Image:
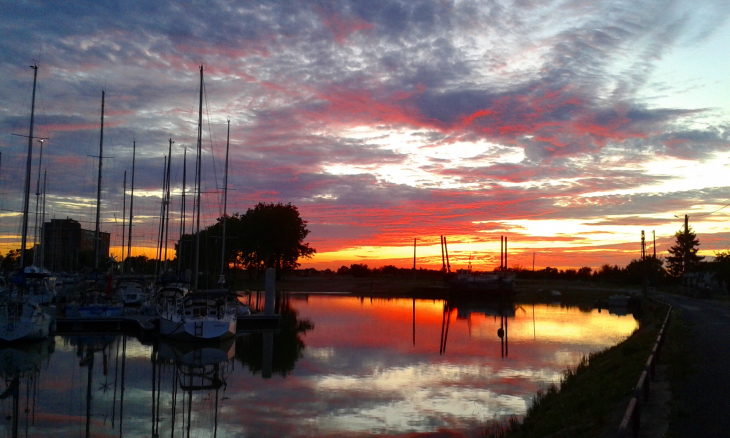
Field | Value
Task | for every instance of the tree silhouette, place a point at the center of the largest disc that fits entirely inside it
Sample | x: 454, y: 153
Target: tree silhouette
x: 266, y: 236
x: 684, y: 256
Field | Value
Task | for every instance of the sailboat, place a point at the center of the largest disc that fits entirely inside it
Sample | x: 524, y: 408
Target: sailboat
x: 99, y: 302
x: 21, y: 319
x: 133, y: 290
x: 199, y: 315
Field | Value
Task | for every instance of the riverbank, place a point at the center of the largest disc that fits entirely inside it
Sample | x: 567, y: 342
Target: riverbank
x: 592, y: 397
x: 527, y: 291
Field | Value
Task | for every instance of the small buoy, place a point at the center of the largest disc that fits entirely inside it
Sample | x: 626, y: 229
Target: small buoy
x: 500, y: 332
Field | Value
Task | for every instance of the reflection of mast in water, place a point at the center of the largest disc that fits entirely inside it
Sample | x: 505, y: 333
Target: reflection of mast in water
x: 503, y: 334
x: 445, y: 322
x: 464, y: 309
x: 194, y: 368
x: 18, y: 364
x: 86, y: 347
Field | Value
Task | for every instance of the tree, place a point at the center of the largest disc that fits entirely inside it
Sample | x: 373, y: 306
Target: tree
x: 649, y: 270
x: 721, y: 267
x: 684, y: 256
x: 11, y: 260
x: 270, y: 236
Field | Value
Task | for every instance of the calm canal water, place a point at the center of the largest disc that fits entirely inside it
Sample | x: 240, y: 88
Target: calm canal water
x: 340, y: 366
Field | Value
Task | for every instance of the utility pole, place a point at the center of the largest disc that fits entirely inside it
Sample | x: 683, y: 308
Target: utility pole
x: 686, y: 235
x: 501, y: 253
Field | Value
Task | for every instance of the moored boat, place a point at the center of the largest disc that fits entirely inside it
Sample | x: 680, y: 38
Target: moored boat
x: 200, y: 316
x: 23, y: 321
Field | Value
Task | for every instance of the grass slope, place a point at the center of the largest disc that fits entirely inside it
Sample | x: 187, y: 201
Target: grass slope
x: 593, y: 395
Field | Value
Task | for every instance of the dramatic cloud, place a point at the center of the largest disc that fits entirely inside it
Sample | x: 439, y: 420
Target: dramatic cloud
x: 383, y: 121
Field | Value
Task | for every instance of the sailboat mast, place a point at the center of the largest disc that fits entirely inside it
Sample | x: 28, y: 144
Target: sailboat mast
x: 225, y: 204
x: 124, y: 214
x: 167, y: 202
x: 43, y: 222
x: 131, y: 204
x: 161, y: 229
x: 197, y: 183
x: 182, y: 212
x: 98, y: 188
x: 37, y: 204
x: 26, y: 199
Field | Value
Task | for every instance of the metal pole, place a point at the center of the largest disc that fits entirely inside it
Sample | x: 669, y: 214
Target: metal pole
x: 225, y: 205
x: 98, y: 187
x: 501, y: 253
x: 182, y: 212
x: 200, y: 170
x: 446, y: 248
x: 414, y: 254
x: 37, y: 205
x: 26, y: 199
x: 686, y: 234
x: 167, y: 203
x: 43, y: 222
x: 124, y: 214
x: 443, y: 258
x: 131, y: 206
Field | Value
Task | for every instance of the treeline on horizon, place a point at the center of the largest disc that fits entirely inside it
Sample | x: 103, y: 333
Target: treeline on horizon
x: 653, y: 271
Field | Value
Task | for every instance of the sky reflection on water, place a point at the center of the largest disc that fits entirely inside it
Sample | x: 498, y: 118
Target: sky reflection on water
x: 363, y: 369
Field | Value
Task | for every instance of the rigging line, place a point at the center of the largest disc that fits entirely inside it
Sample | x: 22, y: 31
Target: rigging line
x: 212, y: 151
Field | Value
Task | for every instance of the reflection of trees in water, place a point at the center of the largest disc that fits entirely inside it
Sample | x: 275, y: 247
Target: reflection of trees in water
x: 288, y: 343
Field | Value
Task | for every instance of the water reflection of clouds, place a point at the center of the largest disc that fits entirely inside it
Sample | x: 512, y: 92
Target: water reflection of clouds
x: 360, y: 374
x: 371, y: 379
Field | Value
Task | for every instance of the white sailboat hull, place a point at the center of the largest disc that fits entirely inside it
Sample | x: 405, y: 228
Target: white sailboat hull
x: 25, y: 329
x: 198, y: 329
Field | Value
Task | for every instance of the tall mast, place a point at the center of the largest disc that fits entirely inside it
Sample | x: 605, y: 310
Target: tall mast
x: 225, y: 204
x: 197, y: 183
x: 26, y: 199
x: 167, y: 202
x: 182, y: 212
x: 98, y: 188
x: 131, y: 204
x: 37, y: 205
x: 43, y: 222
x: 161, y: 228
x: 124, y: 214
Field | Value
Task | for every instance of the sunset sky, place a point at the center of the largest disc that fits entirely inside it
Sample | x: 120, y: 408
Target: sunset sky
x: 568, y: 126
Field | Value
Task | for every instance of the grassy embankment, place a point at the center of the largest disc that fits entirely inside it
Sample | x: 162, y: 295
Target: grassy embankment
x: 592, y: 396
